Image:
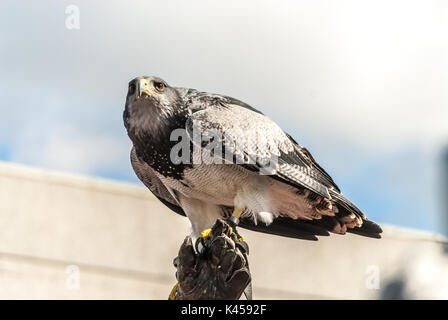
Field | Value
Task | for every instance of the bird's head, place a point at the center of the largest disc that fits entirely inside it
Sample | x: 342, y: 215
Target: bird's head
x: 150, y: 102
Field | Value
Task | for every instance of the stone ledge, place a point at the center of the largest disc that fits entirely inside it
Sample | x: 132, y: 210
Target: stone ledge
x: 123, y: 240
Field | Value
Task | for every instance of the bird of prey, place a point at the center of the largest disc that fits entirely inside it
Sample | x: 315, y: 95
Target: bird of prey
x: 259, y: 173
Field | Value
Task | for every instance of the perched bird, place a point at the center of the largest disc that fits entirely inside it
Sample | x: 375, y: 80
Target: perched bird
x: 208, y: 156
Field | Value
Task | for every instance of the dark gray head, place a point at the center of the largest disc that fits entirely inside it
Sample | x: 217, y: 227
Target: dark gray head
x: 151, y: 105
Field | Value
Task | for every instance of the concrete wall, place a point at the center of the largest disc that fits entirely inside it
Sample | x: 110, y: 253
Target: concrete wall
x: 74, y: 237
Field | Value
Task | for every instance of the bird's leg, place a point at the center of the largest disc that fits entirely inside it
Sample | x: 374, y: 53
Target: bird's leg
x: 237, y: 212
x: 234, y: 220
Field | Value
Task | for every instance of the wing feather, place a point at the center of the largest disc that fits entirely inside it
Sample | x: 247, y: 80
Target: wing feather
x: 255, y: 142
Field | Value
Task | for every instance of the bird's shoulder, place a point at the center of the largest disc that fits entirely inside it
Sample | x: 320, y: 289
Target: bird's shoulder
x: 196, y: 100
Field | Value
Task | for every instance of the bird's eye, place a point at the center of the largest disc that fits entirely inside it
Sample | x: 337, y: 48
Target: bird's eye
x: 160, y: 86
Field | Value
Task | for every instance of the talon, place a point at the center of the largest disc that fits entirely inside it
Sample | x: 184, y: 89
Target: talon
x: 200, y: 246
x: 202, y: 240
x: 238, y: 236
x: 206, y: 233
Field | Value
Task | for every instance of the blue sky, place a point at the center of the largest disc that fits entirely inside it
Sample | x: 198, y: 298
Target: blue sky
x: 361, y: 84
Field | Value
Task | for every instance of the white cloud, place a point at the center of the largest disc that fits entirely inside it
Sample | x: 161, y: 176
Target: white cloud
x: 362, y: 73
x: 75, y: 151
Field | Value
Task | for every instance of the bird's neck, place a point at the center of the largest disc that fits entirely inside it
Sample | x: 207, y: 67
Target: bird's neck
x: 154, y: 143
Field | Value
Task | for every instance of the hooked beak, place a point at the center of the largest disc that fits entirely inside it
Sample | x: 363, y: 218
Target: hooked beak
x: 143, y: 87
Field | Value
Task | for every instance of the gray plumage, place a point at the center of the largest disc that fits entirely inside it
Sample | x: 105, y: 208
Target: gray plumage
x: 259, y: 167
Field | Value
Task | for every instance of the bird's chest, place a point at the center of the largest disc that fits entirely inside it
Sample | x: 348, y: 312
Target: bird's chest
x: 159, y: 155
x: 217, y: 183
x: 157, y: 146
x: 159, y: 160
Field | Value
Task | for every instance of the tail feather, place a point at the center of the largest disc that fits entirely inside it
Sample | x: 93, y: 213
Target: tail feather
x: 368, y: 229
x: 286, y: 227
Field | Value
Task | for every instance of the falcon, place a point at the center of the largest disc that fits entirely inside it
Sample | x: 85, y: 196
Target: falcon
x: 208, y: 156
